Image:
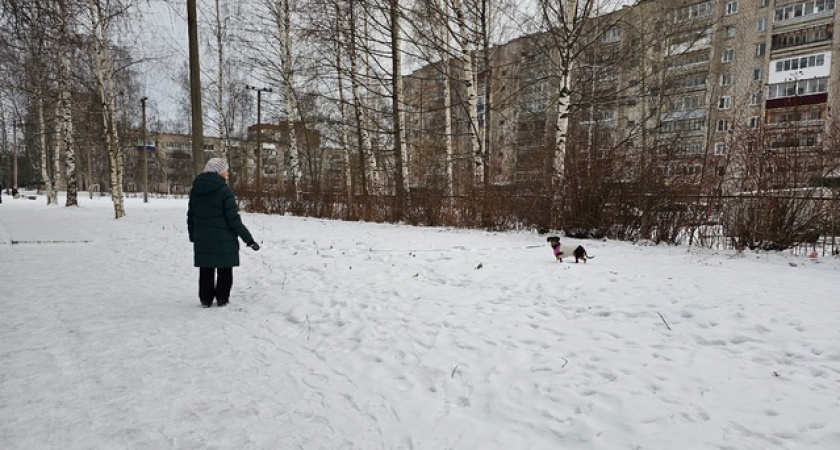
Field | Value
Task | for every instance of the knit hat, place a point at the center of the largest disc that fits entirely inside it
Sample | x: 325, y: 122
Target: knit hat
x: 216, y: 165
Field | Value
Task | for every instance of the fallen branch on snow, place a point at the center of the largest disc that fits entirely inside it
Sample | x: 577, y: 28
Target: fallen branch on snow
x: 663, y: 320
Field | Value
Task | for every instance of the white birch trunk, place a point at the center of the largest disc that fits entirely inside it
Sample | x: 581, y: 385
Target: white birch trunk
x: 571, y: 25
x: 104, y: 75
x: 562, y: 131
x: 345, y: 131
x: 292, y: 113
x: 65, y: 106
x: 116, y: 149
x: 447, y: 102
x: 52, y: 195
x: 366, y: 147
x: 378, y: 185
x: 469, y: 80
x: 42, y: 135
x: 399, y: 112
x: 447, y: 118
x: 69, y: 148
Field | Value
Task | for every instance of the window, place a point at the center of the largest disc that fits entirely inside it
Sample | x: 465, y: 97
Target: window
x: 730, y: 32
x: 687, y: 102
x: 680, y: 126
x: 613, y: 34
x: 689, y: 59
x: 798, y: 87
x: 693, y: 12
x: 605, y: 115
x: 753, y: 122
x: 726, y: 79
x: 802, y: 36
x: 800, y: 63
x: 728, y: 55
x: 687, y: 148
x: 720, y: 148
x: 795, y: 10
x: 731, y: 8
x: 761, y: 25
x: 725, y: 102
x: 722, y: 125
x: 693, y: 81
x: 760, y: 49
x: 823, y: 5
x: 758, y: 74
x: 763, y: 3
x: 755, y: 99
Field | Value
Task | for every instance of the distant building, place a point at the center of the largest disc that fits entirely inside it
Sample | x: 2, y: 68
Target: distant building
x: 319, y: 165
x: 170, y: 165
x: 718, y: 96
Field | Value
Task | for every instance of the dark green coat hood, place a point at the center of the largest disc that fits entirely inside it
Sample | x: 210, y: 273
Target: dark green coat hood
x: 207, y: 183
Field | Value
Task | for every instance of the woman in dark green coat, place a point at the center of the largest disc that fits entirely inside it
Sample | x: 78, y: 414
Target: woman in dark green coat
x: 214, y: 224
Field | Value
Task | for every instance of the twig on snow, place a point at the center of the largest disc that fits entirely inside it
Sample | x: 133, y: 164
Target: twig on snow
x: 454, y: 370
x: 565, y: 361
x: 664, y: 321
x: 308, y: 328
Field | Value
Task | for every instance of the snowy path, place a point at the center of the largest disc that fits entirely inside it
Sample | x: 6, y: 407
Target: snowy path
x: 353, y: 335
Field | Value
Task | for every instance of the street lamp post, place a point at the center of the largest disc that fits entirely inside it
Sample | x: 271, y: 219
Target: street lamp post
x: 145, y: 156
x: 259, y: 131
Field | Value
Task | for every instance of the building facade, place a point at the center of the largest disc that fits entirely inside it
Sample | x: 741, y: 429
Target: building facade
x: 170, y: 160
x: 712, y: 97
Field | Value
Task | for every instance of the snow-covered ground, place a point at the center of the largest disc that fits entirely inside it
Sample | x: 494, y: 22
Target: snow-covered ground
x: 344, y: 335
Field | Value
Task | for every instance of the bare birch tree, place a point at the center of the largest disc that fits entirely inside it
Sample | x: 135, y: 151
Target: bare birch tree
x: 284, y: 35
x: 68, y: 141
x: 447, y: 105
x: 105, y: 76
x: 64, y: 114
x: 344, y: 133
x: 435, y: 50
x: 465, y: 41
x: 397, y: 109
x: 566, y: 21
x: 42, y: 145
x: 223, y: 116
x: 367, y: 158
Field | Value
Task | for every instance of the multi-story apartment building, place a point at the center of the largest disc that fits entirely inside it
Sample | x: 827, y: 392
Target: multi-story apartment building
x: 712, y: 97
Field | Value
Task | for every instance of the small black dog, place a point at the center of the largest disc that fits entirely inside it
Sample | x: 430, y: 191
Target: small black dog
x: 555, y: 244
x: 580, y: 253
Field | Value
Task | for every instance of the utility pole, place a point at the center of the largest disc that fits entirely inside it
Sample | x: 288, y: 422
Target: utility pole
x: 145, y: 155
x: 195, y: 90
x: 259, y: 132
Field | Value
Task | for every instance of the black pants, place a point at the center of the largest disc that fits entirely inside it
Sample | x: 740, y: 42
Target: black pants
x: 209, y: 287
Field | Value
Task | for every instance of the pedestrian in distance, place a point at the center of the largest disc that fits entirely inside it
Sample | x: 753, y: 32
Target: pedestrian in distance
x: 214, y: 224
